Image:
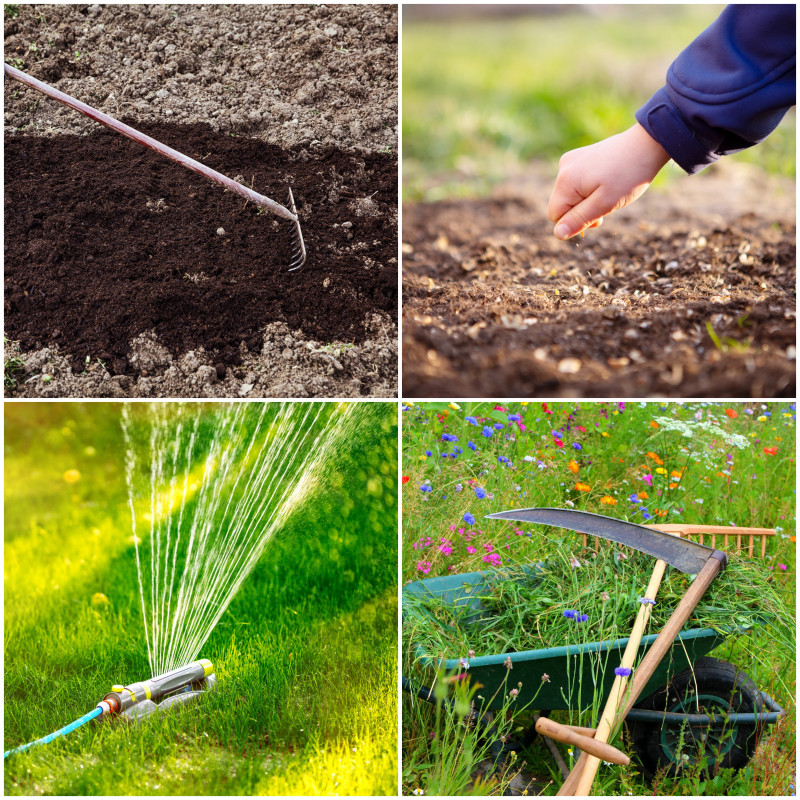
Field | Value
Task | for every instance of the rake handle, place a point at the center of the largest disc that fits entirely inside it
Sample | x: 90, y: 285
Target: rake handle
x: 605, y: 727
x: 657, y: 651
x: 150, y: 143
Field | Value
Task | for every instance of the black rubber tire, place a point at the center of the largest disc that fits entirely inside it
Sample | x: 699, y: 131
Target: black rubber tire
x: 721, y: 688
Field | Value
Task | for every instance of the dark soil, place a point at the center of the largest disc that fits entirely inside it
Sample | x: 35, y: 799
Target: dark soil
x: 661, y: 300
x: 105, y: 240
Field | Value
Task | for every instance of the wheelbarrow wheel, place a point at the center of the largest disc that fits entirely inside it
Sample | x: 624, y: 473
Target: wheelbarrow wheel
x: 710, y: 687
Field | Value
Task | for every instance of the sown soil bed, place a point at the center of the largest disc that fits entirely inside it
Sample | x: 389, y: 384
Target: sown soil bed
x: 127, y: 275
x: 689, y: 292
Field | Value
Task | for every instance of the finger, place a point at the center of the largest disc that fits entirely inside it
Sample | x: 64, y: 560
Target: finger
x: 582, y: 216
x: 564, y: 197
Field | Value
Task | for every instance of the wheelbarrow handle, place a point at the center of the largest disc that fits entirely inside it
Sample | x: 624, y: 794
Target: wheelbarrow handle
x: 562, y: 733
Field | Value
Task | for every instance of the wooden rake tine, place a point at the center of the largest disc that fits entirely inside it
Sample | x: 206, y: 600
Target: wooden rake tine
x: 298, y: 256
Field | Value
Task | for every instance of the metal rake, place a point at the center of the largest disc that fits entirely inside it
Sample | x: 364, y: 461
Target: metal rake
x: 298, y: 248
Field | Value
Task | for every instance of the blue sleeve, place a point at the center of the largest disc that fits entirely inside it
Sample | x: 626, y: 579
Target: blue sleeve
x: 729, y: 89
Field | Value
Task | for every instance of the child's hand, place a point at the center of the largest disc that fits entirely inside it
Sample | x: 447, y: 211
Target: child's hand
x: 594, y: 181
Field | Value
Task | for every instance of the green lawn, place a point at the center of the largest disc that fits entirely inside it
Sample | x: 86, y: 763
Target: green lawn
x: 695, y: 463
x: 306, y: 653
x: 483, y: 97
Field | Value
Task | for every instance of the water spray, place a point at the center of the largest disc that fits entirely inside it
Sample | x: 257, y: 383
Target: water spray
x: 139, y: 700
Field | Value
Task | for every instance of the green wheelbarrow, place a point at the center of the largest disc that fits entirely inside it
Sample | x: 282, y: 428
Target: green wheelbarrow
x: 694, y: 707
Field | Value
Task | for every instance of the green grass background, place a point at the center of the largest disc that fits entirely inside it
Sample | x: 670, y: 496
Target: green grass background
x: 483, y: 97
x: 306, y: 654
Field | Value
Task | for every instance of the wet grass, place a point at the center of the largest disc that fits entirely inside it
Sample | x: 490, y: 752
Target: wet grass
x: 306, y: 654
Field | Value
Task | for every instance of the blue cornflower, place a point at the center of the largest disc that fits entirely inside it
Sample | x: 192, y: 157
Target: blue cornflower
x: 469, y: 519
x: 428, y: 453
x: 426, y: 488
x: 498, y: 426
x: 471, y: 420
x: 582, y: 618
x: 623, y: 671
x: 634, y: 498
x: 472, y: 445
x: 457, y: 451
x: 481, y: 493
x: 464, y: 663
x: 577, y: 445
x: 449, y: 437
x: 487, y: 432
x: 502, y: 459
x: 570, y: 614
x: 646, y: 514
x: 444, y: 455
x: 556, y: 434
x: 514, y: 417
x: 646, y: 601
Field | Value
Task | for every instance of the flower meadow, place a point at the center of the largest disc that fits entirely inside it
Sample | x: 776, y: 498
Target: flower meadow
x: 701, y: 463
x: 723, y: 464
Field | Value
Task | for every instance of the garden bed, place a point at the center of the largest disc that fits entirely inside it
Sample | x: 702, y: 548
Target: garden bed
x: 129, y: 276
x: 689, y: 292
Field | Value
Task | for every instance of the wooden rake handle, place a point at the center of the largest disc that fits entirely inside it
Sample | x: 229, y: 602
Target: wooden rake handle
x: 152, y: 144
x: 579, y: 781
x: 658, y: 649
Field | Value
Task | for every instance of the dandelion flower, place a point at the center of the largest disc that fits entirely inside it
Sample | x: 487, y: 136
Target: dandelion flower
x: 71, y: 476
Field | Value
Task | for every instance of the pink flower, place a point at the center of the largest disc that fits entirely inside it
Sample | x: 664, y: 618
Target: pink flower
x: 424, y: 567
x: 648, y: 479
x: 493, y: 559
x: 782, y: 567
x: 472, y: 549
x: 488, y: 547
x: 446, y: 548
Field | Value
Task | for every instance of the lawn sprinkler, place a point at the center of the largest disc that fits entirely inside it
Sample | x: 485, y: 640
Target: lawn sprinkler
x: 139, y: 700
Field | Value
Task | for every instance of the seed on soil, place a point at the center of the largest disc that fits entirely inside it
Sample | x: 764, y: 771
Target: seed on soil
x: 220, y: 231
x: 569, y: 366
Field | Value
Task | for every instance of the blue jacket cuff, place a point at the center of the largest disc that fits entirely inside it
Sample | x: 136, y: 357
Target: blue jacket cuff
x: 662, y: 120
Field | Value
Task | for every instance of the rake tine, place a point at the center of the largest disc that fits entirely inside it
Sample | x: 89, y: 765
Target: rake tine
x: 298, y: 246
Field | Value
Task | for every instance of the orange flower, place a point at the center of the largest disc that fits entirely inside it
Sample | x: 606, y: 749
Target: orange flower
x: 653, y: 423
x: 583, y: 487
x: 673, y: 486
x: 676, y: 473
x: 793, y: 539
x: 655, y: 458
x: 771, y: 451
x: 731, y: 413
x: 573, y: 467
x: 644, y: 496
x: 608, y: 501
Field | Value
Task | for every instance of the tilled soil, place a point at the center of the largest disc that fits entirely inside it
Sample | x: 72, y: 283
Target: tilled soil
x: 686, y: 293
x: 126, y: 275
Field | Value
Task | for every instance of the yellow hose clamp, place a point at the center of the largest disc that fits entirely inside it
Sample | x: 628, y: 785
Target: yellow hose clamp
x: 208, y: 667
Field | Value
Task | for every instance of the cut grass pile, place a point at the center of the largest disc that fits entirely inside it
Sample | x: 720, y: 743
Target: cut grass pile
x: 306, y: 654
x: 519, y: 609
